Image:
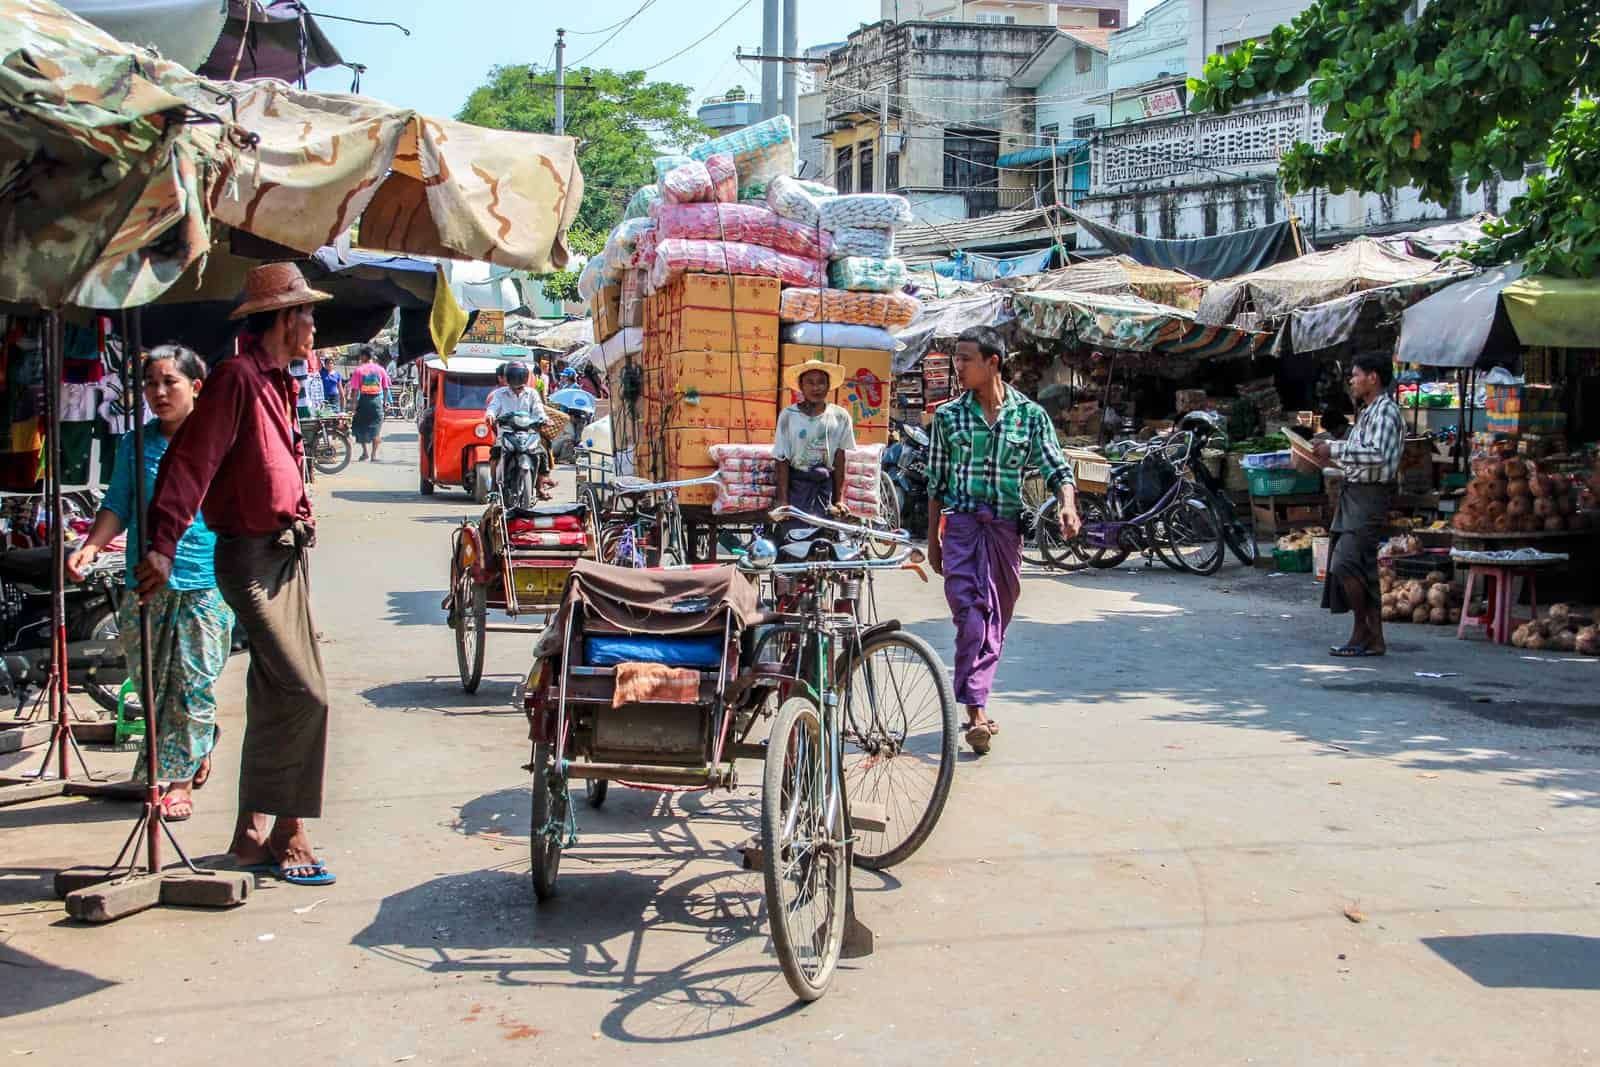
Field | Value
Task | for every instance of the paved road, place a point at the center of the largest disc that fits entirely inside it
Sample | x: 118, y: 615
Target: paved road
x: 1161, y: 862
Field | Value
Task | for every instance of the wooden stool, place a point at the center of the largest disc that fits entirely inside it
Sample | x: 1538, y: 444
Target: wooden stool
x: 1501, y: 587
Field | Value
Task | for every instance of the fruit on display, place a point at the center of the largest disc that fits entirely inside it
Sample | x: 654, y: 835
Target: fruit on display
x: 1560, y: 630
x: 1433, y: 600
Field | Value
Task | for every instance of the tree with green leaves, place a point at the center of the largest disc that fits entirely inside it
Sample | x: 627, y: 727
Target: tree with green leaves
x: 1465, y: 89
x: 622, y: 122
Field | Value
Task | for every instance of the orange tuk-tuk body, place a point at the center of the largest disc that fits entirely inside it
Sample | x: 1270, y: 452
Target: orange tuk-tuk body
x: 454, y: 440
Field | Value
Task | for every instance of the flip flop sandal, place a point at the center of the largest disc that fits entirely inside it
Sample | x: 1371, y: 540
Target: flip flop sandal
x: 304, y: 873
x: 1351, y: 651
x: 978, y: 737
x: 167, y: 806
x: 205, y: 764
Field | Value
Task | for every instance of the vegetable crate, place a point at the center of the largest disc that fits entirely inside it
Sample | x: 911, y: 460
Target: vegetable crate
x: 1272, y: 482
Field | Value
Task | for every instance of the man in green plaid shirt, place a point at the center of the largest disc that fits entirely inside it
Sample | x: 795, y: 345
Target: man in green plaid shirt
x: 985, y: 441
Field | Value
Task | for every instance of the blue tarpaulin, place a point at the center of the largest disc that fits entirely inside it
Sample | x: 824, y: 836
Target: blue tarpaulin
x: 972, y: 267
x: 1027, y: 157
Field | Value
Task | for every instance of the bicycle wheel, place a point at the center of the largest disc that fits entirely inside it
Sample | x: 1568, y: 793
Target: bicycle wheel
x: 888, y: 518
x: 1055, y: 550
x: 333, y: 452
x: 804, y: 851
x: 1190, y: 533
x: 1093, y: 513
x: 595, y: 789
x: 1034, y: 497
x: 1237, y: 531
x: 669, y: 528
x: 900, y: 729
x: 547, y: 833
x: 472, y: 616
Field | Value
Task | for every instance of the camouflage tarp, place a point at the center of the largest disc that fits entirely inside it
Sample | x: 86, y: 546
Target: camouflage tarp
x: 113, y: 163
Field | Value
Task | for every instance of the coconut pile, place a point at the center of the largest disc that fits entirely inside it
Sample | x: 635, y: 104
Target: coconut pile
x: 1432, y: 600
x: 1561, y: 630
x: 1513, y: 496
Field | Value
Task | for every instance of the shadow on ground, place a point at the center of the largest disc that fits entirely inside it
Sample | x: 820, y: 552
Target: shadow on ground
x: 1258, y: 663
x: 443, y: 695
x: 33, y: 984
x: 1523, y: 961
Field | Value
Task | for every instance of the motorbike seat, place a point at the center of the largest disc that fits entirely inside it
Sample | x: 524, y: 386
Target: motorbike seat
x: 548, y: 511
x: 29, y: 565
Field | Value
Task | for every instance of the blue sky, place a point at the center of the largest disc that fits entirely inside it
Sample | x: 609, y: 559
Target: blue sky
x: 453, y: 43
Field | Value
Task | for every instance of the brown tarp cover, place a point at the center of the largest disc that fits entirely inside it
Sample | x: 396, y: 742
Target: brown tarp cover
x: 651, y: 601
x: 1126, y: 275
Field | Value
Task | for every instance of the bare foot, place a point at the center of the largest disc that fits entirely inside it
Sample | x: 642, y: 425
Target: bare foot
x: 290, y: 845
x: 249, y: 845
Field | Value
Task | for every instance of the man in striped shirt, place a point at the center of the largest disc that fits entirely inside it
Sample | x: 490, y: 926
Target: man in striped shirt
x: 1370, y: 460
x: 985, y: 442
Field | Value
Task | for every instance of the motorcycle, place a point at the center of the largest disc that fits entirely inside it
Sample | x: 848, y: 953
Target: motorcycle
x: 904, y: 481
x: 94, y: 648
x: 522, y: 459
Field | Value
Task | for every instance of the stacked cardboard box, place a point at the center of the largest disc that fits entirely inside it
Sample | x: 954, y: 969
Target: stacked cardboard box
x: 865, y: 392
x: 710, y: 374
x: 607, y: 311
x: 1523, y: 409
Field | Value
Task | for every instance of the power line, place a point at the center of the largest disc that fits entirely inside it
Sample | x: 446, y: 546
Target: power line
x: 618, y: 29
x: 701, y: 40
x: 603, y: 29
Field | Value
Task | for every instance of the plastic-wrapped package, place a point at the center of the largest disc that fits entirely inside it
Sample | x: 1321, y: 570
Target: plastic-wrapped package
x: 641, y: 201
x: 867, y: 275
x: 881, y: 210
x: 760, y: 153
x: 724, y: 178
x: 679, y: 255
x: 696, y: 182
x: 793, y: 199
x: 892, y: 311
x: 864, y: 242
x: 838, y: 335
x: 665, y: 165
x: 737, y: 502
x: 747, y: 478
x: 622, y: 244
x: 748, y: 474
x: 590, y: 278
x: 726, y: 453
x: 745, y: 223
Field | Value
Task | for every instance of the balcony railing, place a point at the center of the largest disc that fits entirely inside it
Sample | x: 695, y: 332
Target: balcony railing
x: 1196, y: 149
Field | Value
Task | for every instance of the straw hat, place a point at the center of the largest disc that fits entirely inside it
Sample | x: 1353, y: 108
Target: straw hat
x: 276, y: 285
x: 834, y: 371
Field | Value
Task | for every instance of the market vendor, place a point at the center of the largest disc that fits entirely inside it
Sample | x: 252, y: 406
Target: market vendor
x: 1369, y: 458
x: 812, y: 439
x: 984, y: 442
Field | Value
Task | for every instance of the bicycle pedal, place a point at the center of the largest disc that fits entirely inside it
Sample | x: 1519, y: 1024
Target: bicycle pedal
x: 865, y: 817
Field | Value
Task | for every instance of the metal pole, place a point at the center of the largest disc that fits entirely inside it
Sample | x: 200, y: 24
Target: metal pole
x: 791, y: 76
x: 769, y: 46
x: 561, y: 82
x: 57, y: 680
x: 132, y: 356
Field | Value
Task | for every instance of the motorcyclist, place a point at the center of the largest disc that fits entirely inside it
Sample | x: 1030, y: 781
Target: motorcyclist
x: 516, y: 395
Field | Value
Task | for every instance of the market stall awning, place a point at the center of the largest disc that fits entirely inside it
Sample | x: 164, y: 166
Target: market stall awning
x: 1222, y: 256
x: 946, y: 319
x: 118, y: 161
x: 1128, y: 323
x: 272, y: 39
x: 183, y: 31
x: 1270, y: 294
x: 1554, y: 312
x: 1462, y: 325
x: 1124, y: 274
x: 1027, y: 157
x: 1372, y: 313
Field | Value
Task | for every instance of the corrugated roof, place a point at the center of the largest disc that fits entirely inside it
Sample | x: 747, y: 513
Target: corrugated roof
x: 922, y: 240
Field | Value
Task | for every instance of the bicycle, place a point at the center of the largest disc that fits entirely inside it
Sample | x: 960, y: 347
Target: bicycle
x: 899, y: 718
x: 639, y: 523
x: 327, y: 443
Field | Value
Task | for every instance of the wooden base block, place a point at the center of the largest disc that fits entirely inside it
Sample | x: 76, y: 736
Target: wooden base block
x: 75, y: 878
x: 16, y: 737
x: 108, y: 901
x: 20, y: 790
x: 870, y: 817
x: 223, y: 889
x: 121, y: 787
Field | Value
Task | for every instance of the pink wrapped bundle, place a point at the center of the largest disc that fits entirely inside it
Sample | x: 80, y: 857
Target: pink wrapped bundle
x: 735, y: 479
x: 746, y: 223
x: 697, y: 182
x: 724, y: 453
x: 891, y: 311
x: 678, y: 255
x: 731, y: 501
x: 724, y: 177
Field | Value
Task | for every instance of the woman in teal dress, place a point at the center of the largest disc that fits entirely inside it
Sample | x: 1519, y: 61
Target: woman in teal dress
x: 190, y: 625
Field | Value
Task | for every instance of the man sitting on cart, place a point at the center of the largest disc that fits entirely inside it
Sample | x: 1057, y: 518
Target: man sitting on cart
x: 514, y: 396
x: 811, y: 441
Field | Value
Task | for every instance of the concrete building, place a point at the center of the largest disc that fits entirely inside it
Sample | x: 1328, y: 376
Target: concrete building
x: 1147, y: 65
x: 952, y: 111
x: 1067, y: 72
x: 1180, y: 175
x: 729, y: 111
x: 1082, y: 14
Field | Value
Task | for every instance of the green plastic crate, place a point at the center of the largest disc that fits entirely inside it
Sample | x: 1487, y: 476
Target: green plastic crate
x: 1281, y: 482
x: 1293, y: 561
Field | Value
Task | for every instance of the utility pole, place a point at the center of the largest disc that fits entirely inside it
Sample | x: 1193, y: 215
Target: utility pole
x: 791, y: 45
x: 769, y: 46
x: 880, y: 179
x: 561, y: 82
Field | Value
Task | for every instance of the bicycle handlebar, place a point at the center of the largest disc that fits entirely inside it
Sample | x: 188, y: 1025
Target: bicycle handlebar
x: 788, y: 513
x: 624, y: 486
x: 819, y: 566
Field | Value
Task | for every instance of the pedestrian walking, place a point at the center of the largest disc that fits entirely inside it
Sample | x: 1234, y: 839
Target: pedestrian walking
x: 985, y: 442
x: 240, y: 455
x: 191, y: 626
x: 1369, y: 458
x: 369, y: 385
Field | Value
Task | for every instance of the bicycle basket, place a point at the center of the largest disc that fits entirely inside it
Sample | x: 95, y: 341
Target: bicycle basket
x: 1151, y: 480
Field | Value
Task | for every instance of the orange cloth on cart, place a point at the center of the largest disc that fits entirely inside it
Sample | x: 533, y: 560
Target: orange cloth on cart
x: 655, y: 683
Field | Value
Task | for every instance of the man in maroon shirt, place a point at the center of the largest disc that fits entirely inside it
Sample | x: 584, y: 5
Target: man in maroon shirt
x: 239, y: 458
